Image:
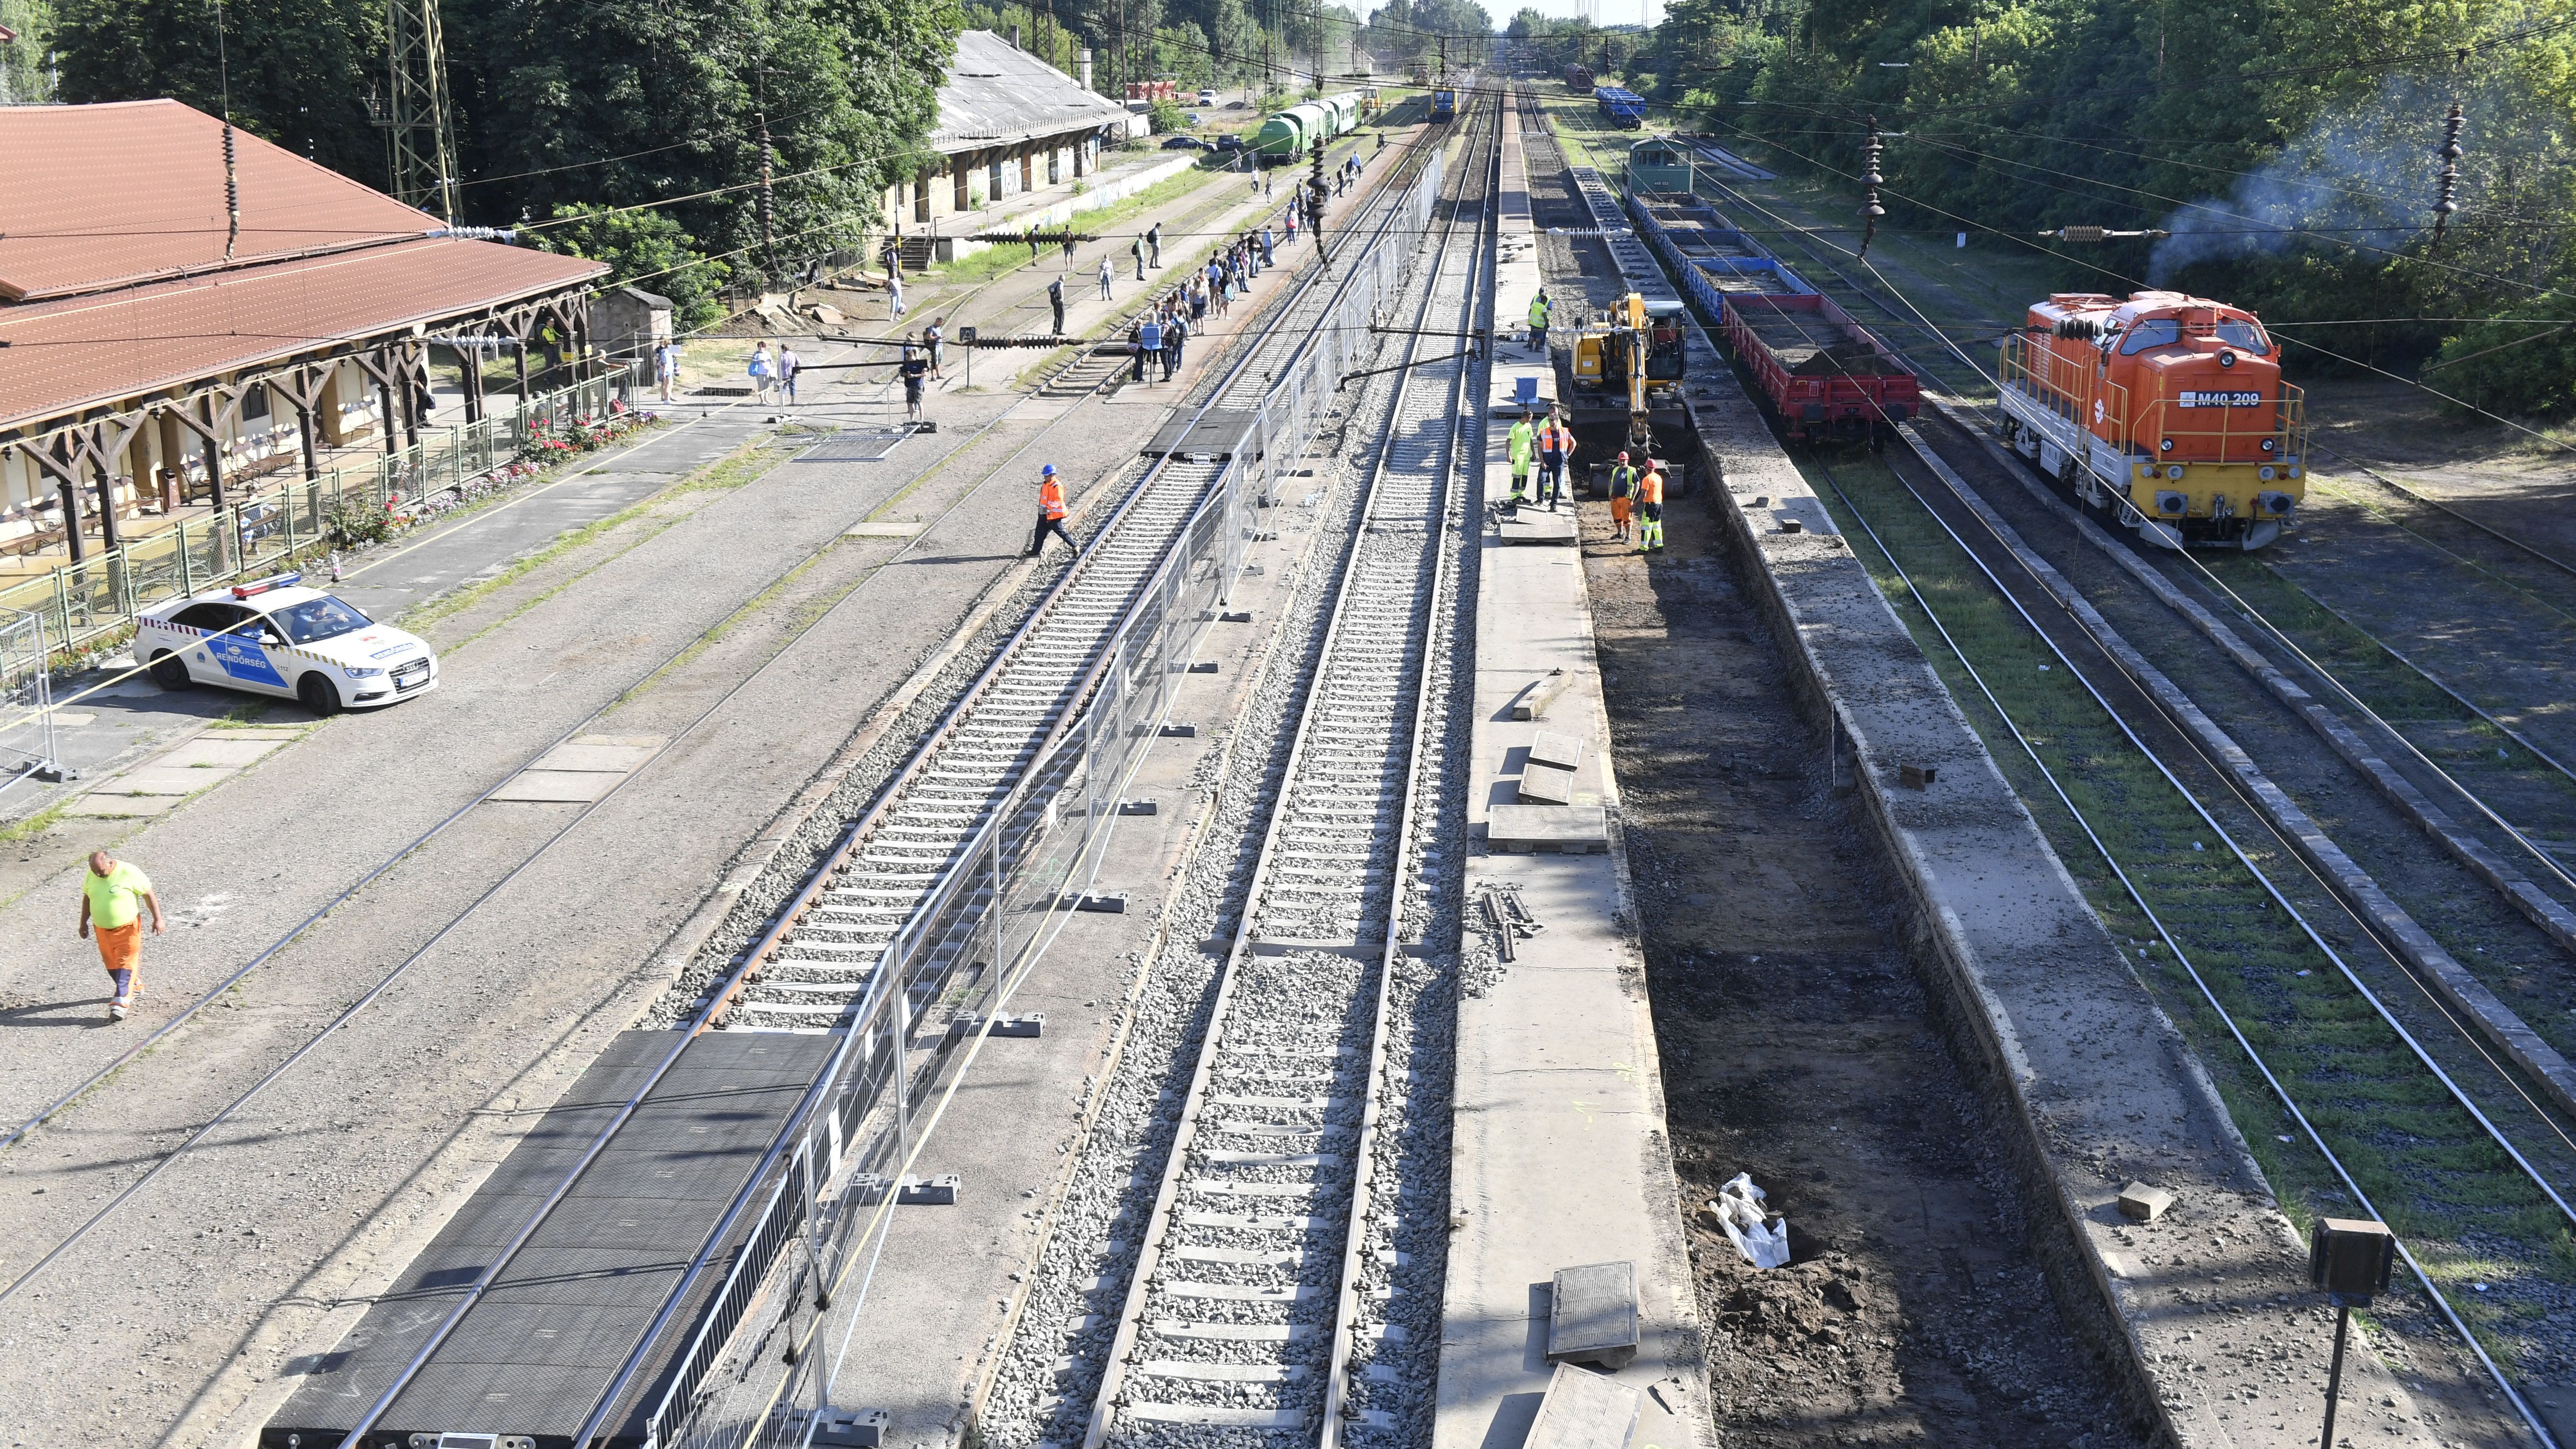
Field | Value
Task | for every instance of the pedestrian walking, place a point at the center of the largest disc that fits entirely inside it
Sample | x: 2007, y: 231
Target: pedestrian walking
x: 1555, y: 451
x: 1290, y: 223
x: 109, y: 896
x: 1067, y: 240
x: 1149, y: 342
x: 894, y: 296
x: 788, y: 366
x: 1265, y: 188
x: 666, y: 366
x: 1650, y: 510
x: 1055, y: 303
x: 1524, y: 447
x: 1137, y: 249
x: 762, y: 369
x: 914, y: 368
x: 1175, y: 332
x: 1050, y: 514
x: 1106, y: 272
x: 1623, y: 493
x: 937, y: 342
x: 1538, y: 314
x: 1154, y: 245
x: 1268, y: 255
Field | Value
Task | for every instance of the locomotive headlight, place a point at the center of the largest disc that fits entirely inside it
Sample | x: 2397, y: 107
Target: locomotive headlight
x: 2269, y: 443
x: 2265, y: 473
x: 2227, y: 359
x: 2166, y: 446
x: 2174, y: 472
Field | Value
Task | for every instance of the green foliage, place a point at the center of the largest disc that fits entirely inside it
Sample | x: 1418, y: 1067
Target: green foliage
x: 23, y: 77
x: 646, y: 248
x: 2521, y: 368
x: 1168, y: 117
x: 300, y: 70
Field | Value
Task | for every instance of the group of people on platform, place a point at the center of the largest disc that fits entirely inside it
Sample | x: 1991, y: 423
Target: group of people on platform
x: 1541, y: 453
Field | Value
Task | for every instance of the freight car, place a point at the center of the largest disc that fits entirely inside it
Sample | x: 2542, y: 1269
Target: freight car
x: 1710, y: 256
x: 1824, y: 375
x: 1621, y: 107
x: 1578, y: 79
x: 1288, y: 134
x: 2171, y: 404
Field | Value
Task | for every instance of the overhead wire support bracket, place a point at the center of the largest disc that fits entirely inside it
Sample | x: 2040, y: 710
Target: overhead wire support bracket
x: 2102, y: 233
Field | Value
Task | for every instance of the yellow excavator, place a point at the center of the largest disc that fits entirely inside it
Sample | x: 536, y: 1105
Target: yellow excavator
x: 1635, y: 348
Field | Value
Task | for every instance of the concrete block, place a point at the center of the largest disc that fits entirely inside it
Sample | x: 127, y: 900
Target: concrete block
x: 1564, y: 752
x: 1179, y: 731
x: 938, y: 1191
x: 2143, y: 1204
x: 1235, y: 616
x: 1582, y: 1410
x: 1023, y: 1027
x: 1916, y: 777
x: 1546, y: 785
x: 1592, y: 1315
x: 1205, y: 666
x: 850, y: 1429
x: 210, y: 750
x: 160, y: 780
x: 1136, y: 807
x: 1574, y: 829
x: 1533, y: 701
x: 1108, y: 905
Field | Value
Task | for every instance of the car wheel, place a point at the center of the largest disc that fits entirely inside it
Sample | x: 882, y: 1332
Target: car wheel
x: 170, y: 671
x: 319, y: 694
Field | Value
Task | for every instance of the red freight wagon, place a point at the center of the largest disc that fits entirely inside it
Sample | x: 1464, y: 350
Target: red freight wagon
x: 1824, y: 374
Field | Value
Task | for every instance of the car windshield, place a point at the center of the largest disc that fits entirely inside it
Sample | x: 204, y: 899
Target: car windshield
x: 2153, y: 332
x: 315, y: 620
x: 2242, y: 334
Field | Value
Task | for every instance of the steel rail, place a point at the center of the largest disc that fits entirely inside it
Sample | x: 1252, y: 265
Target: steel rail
x: 779, y: 923
x: 2164, y: 934
x: 1157, y: 1229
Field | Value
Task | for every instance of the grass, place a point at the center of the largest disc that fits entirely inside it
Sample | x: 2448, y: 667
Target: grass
x: 2435, y: 1176
x: 20, y: 831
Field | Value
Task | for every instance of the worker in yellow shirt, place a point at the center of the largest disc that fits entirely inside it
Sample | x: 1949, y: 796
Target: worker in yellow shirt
x: 113, y: 895
x: 1650, y: 509
x: 1538, y: 324
x: 1524, y: 445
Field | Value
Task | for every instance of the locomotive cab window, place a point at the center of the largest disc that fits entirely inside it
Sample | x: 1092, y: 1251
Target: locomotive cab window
x: 2244, y: 336
x: 2153, y: 332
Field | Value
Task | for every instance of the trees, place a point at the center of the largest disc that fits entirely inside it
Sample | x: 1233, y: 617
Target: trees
x: 300, y: 71
x: 646, y: 248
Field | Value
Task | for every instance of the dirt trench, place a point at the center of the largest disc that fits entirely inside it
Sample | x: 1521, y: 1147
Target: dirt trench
x: 1798, y: 1046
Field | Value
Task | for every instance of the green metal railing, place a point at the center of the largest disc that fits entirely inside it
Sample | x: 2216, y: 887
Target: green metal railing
x: 101, y: 594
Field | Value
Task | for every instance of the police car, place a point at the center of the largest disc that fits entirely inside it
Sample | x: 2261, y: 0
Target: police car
x: 277, y: 637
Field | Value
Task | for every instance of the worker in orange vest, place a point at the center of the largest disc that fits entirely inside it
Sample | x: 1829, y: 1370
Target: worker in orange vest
x: 1050, y: 513
x: 1650, y: 509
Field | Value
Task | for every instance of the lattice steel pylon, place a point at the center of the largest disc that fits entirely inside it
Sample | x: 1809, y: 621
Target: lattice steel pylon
x: 418, y: 135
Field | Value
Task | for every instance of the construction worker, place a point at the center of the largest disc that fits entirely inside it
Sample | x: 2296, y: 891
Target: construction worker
x: 1524, y: 442
x: 1050, y: 513
x: 114, y: 895
x: 1623, y: 493
x: 1555, y: 451
x: 1538, y: 323
x: 1650, y: 510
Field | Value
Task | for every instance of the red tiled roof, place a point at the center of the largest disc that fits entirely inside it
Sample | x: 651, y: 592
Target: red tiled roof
x: 108, y: 195
x: 84, y: 351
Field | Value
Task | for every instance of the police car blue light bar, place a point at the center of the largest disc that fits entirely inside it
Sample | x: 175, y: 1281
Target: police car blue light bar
x: 280, y: 581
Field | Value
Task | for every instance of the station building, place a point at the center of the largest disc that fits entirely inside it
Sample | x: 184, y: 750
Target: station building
x: 1008, y: 123
x: 159, y: 347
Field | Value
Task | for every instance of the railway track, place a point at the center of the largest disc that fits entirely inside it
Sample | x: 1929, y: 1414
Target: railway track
x: 870, y: 946
x: 1255, y: 1279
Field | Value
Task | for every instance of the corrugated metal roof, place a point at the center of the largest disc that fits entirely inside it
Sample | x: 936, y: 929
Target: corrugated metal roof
x: 93, y: 197
x: 80, y: 352
x: 996, y: 93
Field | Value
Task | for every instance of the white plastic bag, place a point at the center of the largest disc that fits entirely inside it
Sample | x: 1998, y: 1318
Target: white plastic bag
x: 1738, y: 1209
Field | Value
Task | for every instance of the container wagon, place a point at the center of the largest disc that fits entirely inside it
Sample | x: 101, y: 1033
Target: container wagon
x: 1578, y: 79
x: 1712, y: 257
x: 1659, y: 166
x: 2167, y: 407
x: 1287, y: 134
x: 1621, y: 107
x: 1824, y: 375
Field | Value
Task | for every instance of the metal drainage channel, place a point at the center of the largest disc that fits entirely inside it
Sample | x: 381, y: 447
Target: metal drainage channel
x: 1249, y: 1284
x: 1156, y: 514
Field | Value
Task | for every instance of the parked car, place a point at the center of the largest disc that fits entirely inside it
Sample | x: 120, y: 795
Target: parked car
x: 1184, y: 143
x: 1227, y: 143
x: 1207, y: 97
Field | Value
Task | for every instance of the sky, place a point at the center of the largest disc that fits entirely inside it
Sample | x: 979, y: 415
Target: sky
x: 1604, y: 12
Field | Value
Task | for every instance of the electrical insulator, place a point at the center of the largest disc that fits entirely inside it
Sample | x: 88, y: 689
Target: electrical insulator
x: 1870, y: 211
x: 2448, y: 203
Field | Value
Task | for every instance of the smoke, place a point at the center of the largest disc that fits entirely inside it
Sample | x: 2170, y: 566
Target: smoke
x: 2363, y: 173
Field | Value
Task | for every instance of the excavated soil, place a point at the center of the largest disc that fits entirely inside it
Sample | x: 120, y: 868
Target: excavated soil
x: 1798, y: 1046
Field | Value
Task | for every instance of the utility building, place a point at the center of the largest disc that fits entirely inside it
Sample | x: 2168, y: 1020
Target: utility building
x: 1008, y: 123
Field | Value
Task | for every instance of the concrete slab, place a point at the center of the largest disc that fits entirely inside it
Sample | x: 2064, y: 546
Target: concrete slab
x: 883, y: 530
x: 164, y: 780
x: 1563, y: 752
x: 117, y: 807
x: 221, y: 750
x: 1585, y: 1410
x: 1546, y: 785
x: 594, y: 759
x: 1529, y: 526
x: 1559, y: 1156
x: 558, y: 786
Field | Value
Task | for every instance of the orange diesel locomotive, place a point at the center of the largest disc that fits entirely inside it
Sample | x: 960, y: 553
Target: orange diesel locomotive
x: 2172, y: 402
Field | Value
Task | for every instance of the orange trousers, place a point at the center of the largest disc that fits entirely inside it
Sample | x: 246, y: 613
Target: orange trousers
x: 120, y: 950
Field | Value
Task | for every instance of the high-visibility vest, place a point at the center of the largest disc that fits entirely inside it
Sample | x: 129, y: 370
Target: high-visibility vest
x: 1556, y: 440
x: 1651, y: 488
x: 1051, y: 498
x: 1623, y: 481
x: 1538, y: 311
